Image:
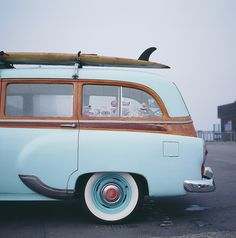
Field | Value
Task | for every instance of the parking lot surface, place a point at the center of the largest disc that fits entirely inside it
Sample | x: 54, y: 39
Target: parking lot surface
x: 194, y: 215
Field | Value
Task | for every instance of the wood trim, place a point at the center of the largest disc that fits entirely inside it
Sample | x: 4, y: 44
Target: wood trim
x: 175, y: 129
x: 80, y: 99
x: 165, y: 124
x: 41, y: 79
x: 0, y: 94
x: 123, y: 126
x: 2, y: 106
x: 76, y: 99
x: 183, y: 130
x: 5, y: 82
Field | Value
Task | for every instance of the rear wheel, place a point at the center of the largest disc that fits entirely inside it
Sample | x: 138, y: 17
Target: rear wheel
x: 111, y: 197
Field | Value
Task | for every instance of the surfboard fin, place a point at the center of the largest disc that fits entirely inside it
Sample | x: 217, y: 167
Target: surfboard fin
x: 146, y: 54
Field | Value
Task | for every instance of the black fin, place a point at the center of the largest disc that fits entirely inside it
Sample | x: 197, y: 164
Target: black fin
x: 3, y: 53
x: 146, y: 54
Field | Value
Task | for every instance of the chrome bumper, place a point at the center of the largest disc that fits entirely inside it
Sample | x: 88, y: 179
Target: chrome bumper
x: 206, y: 184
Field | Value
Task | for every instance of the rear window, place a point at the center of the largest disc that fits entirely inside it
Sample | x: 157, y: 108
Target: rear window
x: 39, y: 100
x: 118, y: 101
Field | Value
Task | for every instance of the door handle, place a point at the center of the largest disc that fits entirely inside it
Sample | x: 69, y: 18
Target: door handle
x: 73, y: 125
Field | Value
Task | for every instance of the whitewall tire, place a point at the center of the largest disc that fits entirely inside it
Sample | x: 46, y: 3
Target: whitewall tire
x: 111, y: 197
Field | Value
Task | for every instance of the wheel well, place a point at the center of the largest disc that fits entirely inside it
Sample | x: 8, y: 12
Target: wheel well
x: 80, y: 183
x: 141, y: 180
x: 82, y: 179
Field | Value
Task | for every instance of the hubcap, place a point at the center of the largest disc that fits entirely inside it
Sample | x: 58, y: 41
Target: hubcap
x: 111, y: 193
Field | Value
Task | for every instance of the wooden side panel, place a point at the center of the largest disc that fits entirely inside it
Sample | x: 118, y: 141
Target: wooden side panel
x: 175, y: 129
x: 165, y: 124
x: 2, y: 101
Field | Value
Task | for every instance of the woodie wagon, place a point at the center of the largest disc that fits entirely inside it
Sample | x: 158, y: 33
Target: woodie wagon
x: 75, y: 128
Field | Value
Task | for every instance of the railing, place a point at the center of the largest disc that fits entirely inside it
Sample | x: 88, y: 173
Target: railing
x: 217, y: 136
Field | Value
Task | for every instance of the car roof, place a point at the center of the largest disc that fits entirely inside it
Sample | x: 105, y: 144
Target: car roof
x: 165, y: 89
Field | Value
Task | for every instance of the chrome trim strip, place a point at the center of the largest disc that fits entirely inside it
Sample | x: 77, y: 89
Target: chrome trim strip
x: 42, y: 121
x: 96, y: 121
x: 136, y: 122
x: 73, y: 125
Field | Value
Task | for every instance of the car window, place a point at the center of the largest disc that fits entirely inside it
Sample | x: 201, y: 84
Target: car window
x: 138, y: 103
x: 100, y: 101
x: 118, y: 101
x: 39, y: 100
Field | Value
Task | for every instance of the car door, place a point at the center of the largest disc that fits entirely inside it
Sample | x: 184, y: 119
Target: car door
x: 38, y: 133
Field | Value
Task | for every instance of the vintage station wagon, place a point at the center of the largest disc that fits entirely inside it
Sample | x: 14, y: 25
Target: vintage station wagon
x: 107, y: 136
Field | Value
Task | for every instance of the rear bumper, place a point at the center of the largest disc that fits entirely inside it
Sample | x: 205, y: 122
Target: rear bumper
x: 206, y: 184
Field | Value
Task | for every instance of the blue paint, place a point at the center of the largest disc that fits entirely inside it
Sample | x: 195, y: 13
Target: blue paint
x: 50, y: 154
x: 141, y: 153
x: 171, y: 149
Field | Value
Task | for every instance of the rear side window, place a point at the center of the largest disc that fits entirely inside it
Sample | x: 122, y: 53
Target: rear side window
x: 39, y: 100
x: 118, y: 101
x: 138, y: 103
x: 100, y: 101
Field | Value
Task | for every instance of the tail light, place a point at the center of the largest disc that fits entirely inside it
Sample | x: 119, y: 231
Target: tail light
x: 203, y: 169
x: 204, y: 160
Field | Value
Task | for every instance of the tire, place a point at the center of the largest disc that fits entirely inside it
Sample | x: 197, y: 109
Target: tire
x: 111, y: 197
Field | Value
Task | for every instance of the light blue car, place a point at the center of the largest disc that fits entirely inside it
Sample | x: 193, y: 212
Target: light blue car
x: 106, y: 136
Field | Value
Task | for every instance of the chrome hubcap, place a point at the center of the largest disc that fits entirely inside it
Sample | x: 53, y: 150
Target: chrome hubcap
x: 111, y: 193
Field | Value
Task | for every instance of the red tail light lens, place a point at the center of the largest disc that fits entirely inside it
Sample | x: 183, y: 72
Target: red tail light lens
x: 205, y: 152
x: 203, y: 169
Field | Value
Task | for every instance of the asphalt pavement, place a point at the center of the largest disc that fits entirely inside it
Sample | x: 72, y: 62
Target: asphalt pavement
x: 194, y: 215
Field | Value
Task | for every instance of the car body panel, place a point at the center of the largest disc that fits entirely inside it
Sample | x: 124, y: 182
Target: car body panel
x: 141, y: 153
x: 50, y: 154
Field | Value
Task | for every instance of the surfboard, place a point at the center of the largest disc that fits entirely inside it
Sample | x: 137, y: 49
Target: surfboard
x: 8, y: 59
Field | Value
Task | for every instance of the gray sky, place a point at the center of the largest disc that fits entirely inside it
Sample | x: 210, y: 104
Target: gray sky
x: 195, y: 37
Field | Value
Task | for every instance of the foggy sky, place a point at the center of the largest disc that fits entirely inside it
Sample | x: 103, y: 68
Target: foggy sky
x: 195, y: 37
